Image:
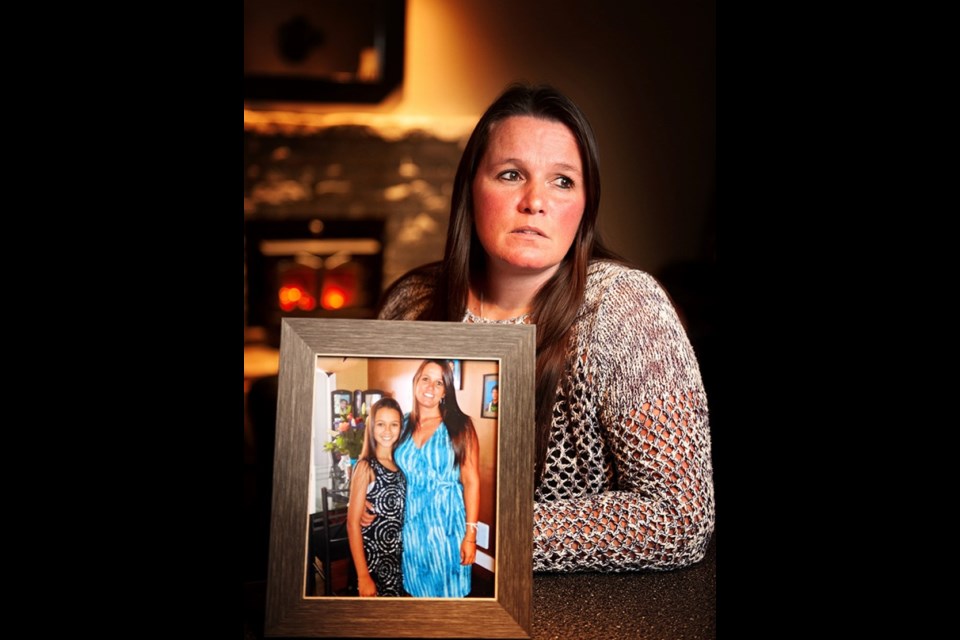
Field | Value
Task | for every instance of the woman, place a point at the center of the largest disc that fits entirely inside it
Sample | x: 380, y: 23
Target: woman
x: 624, y: 478
x: 377, y: 548
x: 439, y: 453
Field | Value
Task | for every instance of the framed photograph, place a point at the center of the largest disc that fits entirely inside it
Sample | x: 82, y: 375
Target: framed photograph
x: 341, y: 403
x: 370, y: 396
x: 312, y: 585
x: 491, y: 396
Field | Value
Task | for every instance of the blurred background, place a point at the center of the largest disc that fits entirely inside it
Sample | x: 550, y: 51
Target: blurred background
x: 644, y: 72
x: 355, y: 114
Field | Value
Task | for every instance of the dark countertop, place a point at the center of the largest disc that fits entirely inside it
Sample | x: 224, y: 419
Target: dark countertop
x: 671, y: 605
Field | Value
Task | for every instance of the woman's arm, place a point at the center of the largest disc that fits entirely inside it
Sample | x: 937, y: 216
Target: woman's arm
x: 650, y: 421
x: 362, y: 476
x: 470, y: 477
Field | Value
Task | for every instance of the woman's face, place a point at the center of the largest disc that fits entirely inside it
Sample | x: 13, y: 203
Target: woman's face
x: 386, y: 427
x: 429, y: 389
x: 528, y: 195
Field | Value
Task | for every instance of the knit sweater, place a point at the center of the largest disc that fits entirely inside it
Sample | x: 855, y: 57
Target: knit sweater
x: 628, y: 480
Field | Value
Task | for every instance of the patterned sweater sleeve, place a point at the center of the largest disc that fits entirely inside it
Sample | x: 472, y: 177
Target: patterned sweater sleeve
x: 651, y: 413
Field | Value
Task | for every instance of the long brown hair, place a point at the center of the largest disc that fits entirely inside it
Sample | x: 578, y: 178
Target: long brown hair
x: 459, y: 424
x: 558, y: 301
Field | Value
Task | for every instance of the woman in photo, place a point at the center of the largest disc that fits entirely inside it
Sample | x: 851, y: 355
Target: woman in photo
x: 439, y: 453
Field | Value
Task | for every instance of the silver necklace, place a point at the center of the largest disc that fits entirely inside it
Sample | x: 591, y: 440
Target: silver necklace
x: 470, y: 316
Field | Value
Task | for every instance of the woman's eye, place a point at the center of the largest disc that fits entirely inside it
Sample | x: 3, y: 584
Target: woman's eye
x: 564, y: 182
x: 510, y: 175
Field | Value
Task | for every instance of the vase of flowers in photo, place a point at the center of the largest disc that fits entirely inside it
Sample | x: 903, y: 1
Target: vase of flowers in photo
x: 348, y: 431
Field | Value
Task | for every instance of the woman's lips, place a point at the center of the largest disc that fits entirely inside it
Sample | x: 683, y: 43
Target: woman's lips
x: 529, y: 231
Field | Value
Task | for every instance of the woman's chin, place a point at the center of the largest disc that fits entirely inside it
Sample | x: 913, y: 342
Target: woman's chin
x: 525, y: 263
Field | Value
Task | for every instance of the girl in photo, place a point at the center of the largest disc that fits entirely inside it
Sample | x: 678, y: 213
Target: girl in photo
x: 377, y: 549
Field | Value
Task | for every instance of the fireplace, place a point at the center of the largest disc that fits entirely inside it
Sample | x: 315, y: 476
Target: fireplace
x: 311, y: 268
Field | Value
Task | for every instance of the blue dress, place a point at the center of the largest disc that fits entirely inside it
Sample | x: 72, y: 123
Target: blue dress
x: 435, y: 520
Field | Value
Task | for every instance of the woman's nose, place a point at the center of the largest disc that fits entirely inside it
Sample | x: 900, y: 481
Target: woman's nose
x: 533, y: 200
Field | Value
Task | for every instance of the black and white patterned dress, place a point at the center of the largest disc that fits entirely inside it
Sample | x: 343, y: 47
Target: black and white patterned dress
x: 383, y: 540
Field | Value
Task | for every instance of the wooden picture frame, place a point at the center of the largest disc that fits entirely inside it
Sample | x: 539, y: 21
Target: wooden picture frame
x: 507, y: 614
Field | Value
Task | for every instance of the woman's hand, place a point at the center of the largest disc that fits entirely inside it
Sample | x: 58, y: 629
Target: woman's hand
x: 468, y: 551
x: 368, y: 515
x: 366, y: 587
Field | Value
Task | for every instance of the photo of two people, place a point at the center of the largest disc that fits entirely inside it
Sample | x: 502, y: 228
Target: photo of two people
x: 404, y: 483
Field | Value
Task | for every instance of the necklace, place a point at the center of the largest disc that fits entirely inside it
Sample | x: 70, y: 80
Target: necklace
x: 470, y: 316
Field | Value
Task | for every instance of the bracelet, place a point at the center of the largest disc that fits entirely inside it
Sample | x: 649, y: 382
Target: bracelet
x: 476, y: 527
